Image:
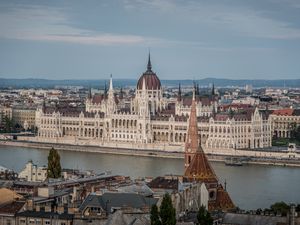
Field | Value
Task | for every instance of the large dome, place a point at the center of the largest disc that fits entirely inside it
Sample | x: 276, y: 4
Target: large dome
x: 151, y: 79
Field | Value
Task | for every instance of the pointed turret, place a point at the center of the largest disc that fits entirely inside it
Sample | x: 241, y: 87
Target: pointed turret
x: 149, y: 66
x: 90, y: 93
x: 198, y: 168
x: 196, y: 163
x: 121, y: 94
x: 110, y: 83
x: 179, y: 93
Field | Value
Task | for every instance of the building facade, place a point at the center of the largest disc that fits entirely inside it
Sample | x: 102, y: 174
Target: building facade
x: 24, y: 116
x: 284, y: 121
x: 149, y: 118
x: 32, y: 172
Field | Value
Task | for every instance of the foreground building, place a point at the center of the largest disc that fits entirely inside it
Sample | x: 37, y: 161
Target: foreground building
x: 198, y: 168
x: 149, y: 119
x: 32, y: 172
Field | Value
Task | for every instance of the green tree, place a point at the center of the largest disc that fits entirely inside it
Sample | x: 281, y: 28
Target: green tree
x: 204, y: 217
x: 295, y: 133
x: 54, y: 168
x: 167, y: 211
x: 8, y: 124
x: 154, y: 215
x: 280, y: 207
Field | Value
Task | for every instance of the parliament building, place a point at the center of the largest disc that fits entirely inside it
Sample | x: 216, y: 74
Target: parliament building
x: 147, y: 118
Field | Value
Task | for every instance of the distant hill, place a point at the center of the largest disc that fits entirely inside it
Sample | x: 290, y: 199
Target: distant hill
x: 45, y: 83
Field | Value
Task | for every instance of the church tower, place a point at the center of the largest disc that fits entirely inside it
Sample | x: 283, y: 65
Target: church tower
x: 111, y: 104
x: 198, y: 168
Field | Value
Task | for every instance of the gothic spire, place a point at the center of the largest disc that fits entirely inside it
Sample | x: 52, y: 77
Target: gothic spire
x: 179, y: 92
x: 90, y: 93
x: 213, y: 90
x: 149, y: 66
x: 110, y: 83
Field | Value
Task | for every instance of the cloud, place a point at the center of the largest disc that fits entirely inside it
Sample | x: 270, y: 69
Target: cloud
x: 223, y: 17
x: 51, y: 24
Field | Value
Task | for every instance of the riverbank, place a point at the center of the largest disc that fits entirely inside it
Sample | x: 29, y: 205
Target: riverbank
x: 212, y: 156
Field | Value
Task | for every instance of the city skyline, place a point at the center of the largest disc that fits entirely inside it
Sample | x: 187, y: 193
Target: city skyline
x: 190, y: 39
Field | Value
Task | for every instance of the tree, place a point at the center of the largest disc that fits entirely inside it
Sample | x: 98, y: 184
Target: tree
x: 280, y: 207
x: 8, y: 124
x: 54, y: 168
x: 295, y: 132
x: 204, y: 217
x: 154, y: 215
x: 167, y: 211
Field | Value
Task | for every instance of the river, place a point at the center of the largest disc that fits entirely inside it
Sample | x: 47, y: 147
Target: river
x: 250, y: 186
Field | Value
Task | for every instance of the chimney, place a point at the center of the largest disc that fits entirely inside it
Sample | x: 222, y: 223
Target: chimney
x: 292, y: 215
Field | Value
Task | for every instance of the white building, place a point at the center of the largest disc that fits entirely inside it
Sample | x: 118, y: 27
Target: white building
x: 32, y: 172
x: 149, y: 118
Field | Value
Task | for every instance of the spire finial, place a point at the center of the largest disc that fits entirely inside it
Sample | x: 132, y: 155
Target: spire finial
x: 149, y: 66
x: 110, y: 83
x: 194, y: 94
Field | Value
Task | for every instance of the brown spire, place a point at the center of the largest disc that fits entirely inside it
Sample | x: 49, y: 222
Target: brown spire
x: 198, y: 168
x: 196, y: 162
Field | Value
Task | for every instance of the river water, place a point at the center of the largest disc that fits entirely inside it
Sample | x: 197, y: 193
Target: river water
x: 250, y: 186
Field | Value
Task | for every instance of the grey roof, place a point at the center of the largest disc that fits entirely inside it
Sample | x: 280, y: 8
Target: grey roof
x: 43, y: 214
x: 128, y: 219
x: 142, y: 189
x: 110, y: 200
x: 247, y: 219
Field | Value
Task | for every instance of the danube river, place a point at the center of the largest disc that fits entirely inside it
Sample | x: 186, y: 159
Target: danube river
x: 250, y: 186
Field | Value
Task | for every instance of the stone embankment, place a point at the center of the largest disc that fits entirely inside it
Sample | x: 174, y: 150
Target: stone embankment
x: 264, y: 157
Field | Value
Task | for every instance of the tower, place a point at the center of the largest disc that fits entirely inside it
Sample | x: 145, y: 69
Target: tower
x: 110, y: 98
x: 198, y: 168
x: 179, y: 93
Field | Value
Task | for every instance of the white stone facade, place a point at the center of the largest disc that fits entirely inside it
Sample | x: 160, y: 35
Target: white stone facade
x: 32, y: 172
x: 148, y: 119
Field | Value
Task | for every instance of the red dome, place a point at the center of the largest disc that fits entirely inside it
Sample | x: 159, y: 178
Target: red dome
x: 151, y: 79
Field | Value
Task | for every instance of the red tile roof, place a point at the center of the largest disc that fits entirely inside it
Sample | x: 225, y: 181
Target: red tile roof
x: 283, y: 112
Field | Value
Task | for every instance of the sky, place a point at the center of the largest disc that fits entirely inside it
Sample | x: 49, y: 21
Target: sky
x: 188, y: 39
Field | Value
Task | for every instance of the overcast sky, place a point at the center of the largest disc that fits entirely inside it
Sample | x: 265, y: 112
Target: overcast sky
x: 195, y: 39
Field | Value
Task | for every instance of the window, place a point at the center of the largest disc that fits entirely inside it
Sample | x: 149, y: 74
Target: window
x: 47, y: 222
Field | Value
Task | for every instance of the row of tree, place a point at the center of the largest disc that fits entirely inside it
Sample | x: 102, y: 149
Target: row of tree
x: 166, y: 215
x: 278, y: 208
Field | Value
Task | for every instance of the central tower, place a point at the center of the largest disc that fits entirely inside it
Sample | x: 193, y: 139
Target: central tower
x: 153, y: 88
